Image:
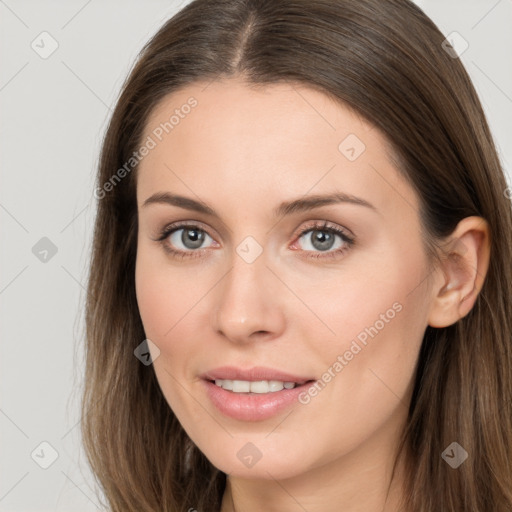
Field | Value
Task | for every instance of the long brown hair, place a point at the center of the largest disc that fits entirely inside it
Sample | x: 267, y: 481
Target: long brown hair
x: 385, y: 60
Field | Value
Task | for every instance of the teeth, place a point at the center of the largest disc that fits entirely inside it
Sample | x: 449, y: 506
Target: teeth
x: 260, y: 386
x: 228, y: 384
x: 241, y: 386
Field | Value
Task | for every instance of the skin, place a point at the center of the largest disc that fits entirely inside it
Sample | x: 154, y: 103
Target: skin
x: 243, y: 150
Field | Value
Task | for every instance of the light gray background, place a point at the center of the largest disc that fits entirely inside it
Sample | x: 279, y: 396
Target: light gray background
x: 54, y: 113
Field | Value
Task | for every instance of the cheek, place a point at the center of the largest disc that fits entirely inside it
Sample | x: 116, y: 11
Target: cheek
x: 377, y: 303
x: 164, y: 297
x: 376, y: 320
x: 172, y: 304
x: 167, y: 305
x: 156, y: 305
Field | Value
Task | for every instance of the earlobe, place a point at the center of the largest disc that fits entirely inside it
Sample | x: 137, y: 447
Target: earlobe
x: 465, y: 261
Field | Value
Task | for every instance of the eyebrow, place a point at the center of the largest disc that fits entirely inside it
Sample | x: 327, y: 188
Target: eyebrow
x: 285, y: 208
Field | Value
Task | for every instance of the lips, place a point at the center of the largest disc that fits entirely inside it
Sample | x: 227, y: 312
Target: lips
x: 250, y: 406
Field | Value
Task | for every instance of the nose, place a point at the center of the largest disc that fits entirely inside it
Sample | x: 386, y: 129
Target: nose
x: 248, y: 302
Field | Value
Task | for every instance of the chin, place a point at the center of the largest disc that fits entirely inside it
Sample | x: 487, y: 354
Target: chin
x: 262, y: 460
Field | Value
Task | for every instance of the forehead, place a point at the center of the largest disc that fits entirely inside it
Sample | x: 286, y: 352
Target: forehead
x: 278, y: 140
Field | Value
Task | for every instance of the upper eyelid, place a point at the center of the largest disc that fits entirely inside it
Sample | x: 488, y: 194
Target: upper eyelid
x: 170, y: 228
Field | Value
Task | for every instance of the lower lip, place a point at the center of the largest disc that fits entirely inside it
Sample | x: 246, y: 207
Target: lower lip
x: 252, y: 407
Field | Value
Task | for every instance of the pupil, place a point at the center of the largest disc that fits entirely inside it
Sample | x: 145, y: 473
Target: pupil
x: 194, y: 240
x: 322, y: 240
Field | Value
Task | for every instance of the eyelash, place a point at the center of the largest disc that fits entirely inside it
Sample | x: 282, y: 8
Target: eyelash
x: 314, y: 226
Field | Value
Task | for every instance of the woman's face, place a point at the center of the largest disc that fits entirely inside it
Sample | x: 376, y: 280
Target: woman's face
x: 262, y: 289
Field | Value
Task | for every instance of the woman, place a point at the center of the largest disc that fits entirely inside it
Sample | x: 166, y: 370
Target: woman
x: 302, y: 224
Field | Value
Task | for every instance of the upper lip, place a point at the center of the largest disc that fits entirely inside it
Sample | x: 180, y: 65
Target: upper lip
x: 252, y: 374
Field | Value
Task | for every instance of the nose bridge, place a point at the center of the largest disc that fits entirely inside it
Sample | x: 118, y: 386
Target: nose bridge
x: 246, y: 301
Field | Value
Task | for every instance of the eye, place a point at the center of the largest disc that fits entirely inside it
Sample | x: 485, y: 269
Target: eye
x: 191, y: 238
x: 321, y: 238
x: 184, y: 240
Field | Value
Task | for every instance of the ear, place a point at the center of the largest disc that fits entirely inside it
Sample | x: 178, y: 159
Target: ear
x: 465, y: 260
